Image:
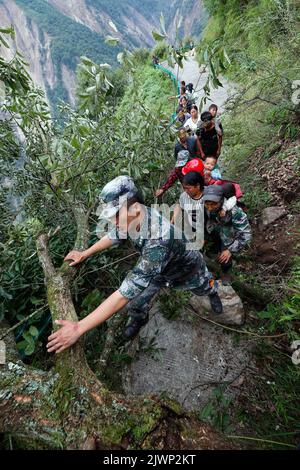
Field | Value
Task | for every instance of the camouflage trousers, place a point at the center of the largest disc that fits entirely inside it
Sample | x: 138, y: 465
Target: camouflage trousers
x: 200, y: 284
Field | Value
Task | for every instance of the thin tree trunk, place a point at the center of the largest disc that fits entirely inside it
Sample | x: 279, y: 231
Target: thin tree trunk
x: 39, y: 412
x: 70, y: 408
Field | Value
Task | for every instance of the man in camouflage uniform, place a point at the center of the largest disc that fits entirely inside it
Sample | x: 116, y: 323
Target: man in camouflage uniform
x: 232, y: 232
x: 164, y: 261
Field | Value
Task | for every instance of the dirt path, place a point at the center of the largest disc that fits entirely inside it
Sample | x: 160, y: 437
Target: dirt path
x: 191, y: 73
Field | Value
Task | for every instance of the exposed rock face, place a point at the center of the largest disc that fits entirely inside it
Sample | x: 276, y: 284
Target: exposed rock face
x: 189, y: 357
x: 35, y: 45
x: 233, y: 311
x: 134, y: 23
x: 31, y: 42
x: 270, y: 215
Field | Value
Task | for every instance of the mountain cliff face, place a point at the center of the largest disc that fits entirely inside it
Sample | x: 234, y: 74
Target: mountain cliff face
x: 134, y: 19
x: 53, y: 34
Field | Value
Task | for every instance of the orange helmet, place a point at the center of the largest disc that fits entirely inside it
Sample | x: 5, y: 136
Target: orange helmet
x: 194, y: 165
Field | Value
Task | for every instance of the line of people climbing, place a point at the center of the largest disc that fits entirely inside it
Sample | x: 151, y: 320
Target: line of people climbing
x: 221, y: 221
x: 170, y: 255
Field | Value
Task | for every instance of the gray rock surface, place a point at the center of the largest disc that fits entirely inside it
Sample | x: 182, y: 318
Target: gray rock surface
x: 270, y: 215
x: 188, y: 358
x: 192, y: 73
x: 233, y: 310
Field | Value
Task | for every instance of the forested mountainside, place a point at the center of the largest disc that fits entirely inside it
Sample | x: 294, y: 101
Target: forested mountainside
x: 53, y: 34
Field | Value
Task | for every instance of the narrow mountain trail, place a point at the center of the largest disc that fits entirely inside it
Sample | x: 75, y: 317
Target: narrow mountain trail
x: 192, y: 73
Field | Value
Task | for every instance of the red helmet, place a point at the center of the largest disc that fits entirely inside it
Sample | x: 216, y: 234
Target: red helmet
x: 194, y: 165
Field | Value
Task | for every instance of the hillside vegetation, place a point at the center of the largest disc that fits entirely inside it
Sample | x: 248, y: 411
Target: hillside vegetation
x: 262, y: 153
x: 121, y: 125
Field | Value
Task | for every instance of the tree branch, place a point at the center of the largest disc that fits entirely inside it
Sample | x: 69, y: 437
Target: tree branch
x: 44, y: 256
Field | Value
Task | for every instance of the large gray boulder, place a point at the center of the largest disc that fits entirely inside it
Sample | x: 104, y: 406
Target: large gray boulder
x: 233, y: 310
x: 189, y: 357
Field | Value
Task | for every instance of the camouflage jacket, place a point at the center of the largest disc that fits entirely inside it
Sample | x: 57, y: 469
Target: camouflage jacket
x: 164, y: 256
x: 234, y: 229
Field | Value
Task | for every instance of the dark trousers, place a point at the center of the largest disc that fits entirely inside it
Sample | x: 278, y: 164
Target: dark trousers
x: 226, y: 266
x: 216, y: 246
x: 138, y: 308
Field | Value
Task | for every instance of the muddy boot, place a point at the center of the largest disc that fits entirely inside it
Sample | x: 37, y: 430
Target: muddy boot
x: 133, y: 327
x: 216, y: 303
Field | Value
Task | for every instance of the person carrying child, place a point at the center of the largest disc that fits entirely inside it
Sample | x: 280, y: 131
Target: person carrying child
x: 230, y: 232
x: 191, y: 204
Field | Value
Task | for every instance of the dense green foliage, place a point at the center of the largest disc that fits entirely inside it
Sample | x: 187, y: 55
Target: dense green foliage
x: 151, y: 88
x: 262, y: 39
x: 65, y: 167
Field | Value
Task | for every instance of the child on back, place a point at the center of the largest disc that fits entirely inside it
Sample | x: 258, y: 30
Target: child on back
x: 211, y: 170
x: 212, y: 175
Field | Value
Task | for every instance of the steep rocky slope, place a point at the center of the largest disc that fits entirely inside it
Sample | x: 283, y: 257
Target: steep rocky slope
x: 53, y: 34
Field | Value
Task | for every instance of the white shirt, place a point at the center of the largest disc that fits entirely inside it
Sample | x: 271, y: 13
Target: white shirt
x: 191, y: 124
x: 194, y: 211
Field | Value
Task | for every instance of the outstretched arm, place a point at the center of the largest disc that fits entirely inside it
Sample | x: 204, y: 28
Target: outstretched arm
x: 70, y: 332
x: 77, y: 257
x: 173, y: 176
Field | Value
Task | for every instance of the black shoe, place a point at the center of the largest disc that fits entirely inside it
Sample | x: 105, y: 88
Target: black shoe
x: 132, y: 329
x: 216, y: 303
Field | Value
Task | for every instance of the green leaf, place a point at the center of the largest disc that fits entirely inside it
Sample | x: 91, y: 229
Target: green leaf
x: 179, y: 22
x: 111, y: 40
x: 28, y: 338
x: 21, y: 345
x: 1, y: 312
x: 86, y: 61
x: 10, y: 31
x: 265, y: 315
x: 206, y: 56
x: 4, y: 42
x: 5, y: 294
x: 36, y: 301
x: 207, y: 411
x: 113, y: 26
x: 157, y: 36
x: 34, y: 331
x: 162, y: 23
x: 216, y: 83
